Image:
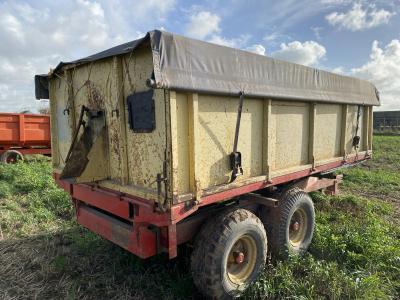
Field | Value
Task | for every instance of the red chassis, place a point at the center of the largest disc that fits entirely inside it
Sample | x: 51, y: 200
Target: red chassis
x: 135, y: 225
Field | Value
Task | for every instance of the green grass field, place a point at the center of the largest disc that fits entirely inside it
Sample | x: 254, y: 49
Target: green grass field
x: 355, y: 253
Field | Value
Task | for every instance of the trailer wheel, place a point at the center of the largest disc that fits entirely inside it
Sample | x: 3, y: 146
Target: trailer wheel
x: 229, y: 253
x: 11, y: 157
x: 293, y: 229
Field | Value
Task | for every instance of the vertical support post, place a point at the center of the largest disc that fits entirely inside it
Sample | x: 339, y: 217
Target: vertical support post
x: 71, y: 102
x: 22, y: 129
x: 365, y: 128
x: 311, y: 145
x: 119, y: 87
x: 267, y: 138
x: 194, y: 151
x: 53, y: 124
x: 333, y: 189
x: 172, y: 242
x: 168, y: 184
x: 371, y: 127
x: 174, y: 141
x: 344, y: 130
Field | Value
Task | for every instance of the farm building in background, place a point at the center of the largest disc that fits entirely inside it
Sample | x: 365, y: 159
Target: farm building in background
x: 387, y: 121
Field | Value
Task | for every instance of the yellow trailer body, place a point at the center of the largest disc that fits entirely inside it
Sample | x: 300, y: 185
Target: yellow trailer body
x: 186, y: 154
x: 277, y: 137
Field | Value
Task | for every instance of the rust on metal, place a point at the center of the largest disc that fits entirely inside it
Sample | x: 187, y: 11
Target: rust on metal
x: 95, y: 99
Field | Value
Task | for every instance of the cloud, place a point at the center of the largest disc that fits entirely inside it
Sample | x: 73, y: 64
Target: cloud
x: 203, y: 24
x: 383, y: 69
x: 256, y: 48
x: 308, y: 53
x: 359, y: 18
x: 339, y: 70
x: 237, y: 42
x: 272, y: 36
x: 35, y: 37
x: 335, y: 2
x: 317, y: 31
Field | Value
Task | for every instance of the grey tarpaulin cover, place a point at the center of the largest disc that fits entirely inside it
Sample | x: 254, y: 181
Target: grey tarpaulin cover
x: 182, y: 63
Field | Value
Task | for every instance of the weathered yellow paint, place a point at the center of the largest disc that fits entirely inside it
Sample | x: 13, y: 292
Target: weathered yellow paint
x: 328, y: 124
x: 343, y: 133
x: 351, y: 125
x: 365, y: 127
x: 174, y: 144
x: 371, y: 127
x: 268, y: 138
x: 312, y: 147
x: 276, y: 138
x: 180, y: 144
x: 61, y: 125
x: 194, y: 145
x: 118, y: 161
x: 146, y: 151
x: 290, y: 122
x: 71, y: 98
x: 194, y: 133
x: 217, y: 119
x: 53, y: 122
x: 131, y: 160
x: 98, y: 165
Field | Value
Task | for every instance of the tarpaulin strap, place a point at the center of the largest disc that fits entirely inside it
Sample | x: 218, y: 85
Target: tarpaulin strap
x: 356, y: 138
x: 235, y: 156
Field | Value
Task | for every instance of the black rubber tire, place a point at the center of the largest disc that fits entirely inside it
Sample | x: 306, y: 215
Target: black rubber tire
x: 16, y: 155
x: 212, y: 247
x: 290, y: 201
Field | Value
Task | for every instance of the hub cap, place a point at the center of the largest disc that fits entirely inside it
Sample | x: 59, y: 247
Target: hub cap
x: 241, y: 260
x: 12, y: 158
x: 298, y: 227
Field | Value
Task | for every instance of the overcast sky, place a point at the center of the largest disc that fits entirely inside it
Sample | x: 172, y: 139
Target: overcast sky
x: 357, y: 38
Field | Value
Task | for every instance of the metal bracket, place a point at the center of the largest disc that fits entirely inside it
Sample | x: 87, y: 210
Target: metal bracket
x: 356, y: 138
x: 356, y: 141
x: 236, y: 163
x: 313, y: 164
x: 116, y: 111
x: 160, y: 179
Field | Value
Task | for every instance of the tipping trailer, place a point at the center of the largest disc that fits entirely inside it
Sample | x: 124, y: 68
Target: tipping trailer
x: 168, y: 140
x: 22, y: 134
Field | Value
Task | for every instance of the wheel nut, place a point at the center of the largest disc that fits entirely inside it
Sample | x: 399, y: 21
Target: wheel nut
x: 296, y: 226
x: 239, y: 257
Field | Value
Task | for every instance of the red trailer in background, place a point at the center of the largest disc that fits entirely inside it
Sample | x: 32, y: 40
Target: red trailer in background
x: 22, y: 134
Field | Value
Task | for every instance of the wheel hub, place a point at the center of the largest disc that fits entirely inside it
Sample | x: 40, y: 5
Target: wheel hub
x: 239, y: 257
x: 241, y: 260
x: 298, y: 227
x: 295, y: 226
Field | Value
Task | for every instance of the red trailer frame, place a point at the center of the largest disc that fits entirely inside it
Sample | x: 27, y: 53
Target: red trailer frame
x: 138, y: 226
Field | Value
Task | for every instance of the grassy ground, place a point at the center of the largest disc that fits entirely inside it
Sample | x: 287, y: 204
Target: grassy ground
x: 355, y: 252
